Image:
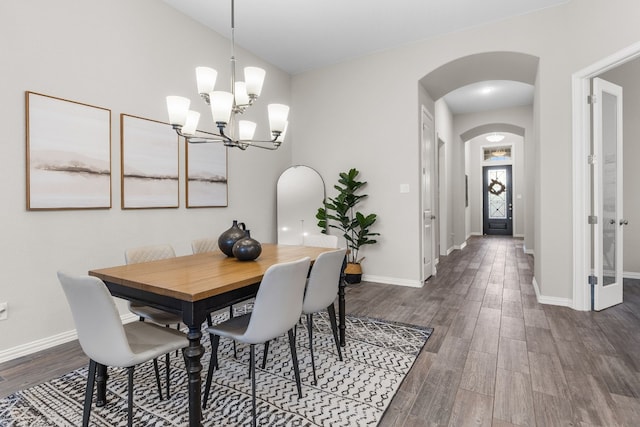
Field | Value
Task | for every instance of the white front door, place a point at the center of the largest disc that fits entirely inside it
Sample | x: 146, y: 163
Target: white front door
x: 428, y: 216
x: 607, y: 194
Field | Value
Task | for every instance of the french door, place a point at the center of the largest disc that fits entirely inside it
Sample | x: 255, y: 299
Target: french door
x: 608, y: 223
x: 497, y: 200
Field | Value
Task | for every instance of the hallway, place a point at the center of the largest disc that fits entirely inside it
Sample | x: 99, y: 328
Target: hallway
x: 499, y: 358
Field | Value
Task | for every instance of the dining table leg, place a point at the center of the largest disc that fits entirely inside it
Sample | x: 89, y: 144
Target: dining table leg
x: 193, y: 353
x: 101, y: 385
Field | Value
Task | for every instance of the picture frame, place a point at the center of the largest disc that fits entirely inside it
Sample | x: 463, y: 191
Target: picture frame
x: 149, y: 157
x: 206, y: 170
x: 68, y: 154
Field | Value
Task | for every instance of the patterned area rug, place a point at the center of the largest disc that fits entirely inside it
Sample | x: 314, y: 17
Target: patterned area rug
x: 355, y: 392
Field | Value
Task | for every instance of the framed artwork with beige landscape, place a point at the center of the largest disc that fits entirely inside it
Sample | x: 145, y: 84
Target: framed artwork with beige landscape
x: 68, y: 154
x: 149, y: 164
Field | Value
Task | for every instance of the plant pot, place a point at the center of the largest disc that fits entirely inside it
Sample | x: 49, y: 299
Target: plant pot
x: 353, y: 273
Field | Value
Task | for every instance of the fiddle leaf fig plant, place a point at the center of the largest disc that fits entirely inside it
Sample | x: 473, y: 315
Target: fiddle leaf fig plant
x: 340, y: 213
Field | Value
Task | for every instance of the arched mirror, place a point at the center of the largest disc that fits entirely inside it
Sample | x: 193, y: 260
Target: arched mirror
x: 300, y: 193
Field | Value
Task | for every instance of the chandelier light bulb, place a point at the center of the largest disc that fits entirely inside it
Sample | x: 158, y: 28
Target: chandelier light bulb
x: 177, y: 106
x: 206, y: 79
x: 242, y: 98
x: 191, y: 124
x: 246, y: 130
x: 278, y: 114
x: 221, y: 105
x: 254, y: 77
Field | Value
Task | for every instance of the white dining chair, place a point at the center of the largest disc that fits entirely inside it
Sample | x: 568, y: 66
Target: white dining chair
x: 146, y: 312
x: 320, y: 293
x: 206, y: 244
x: 106, y: 341
x: 277, y: 308
x: 320, y: 240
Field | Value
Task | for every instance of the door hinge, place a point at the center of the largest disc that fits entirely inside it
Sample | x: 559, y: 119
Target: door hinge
x: 591, y: 159
x: 592, y: 219
x: 593, y: 280
x: 592, y: 99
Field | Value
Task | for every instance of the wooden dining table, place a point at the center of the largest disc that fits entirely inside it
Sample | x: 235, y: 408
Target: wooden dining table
x: 193, y: 286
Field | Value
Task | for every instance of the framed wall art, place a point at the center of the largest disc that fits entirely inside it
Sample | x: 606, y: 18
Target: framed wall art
x: 68, y: 154
x: 206, y: 171
x: 149, y: 160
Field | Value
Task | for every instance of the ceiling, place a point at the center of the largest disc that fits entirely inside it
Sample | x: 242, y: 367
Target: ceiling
x: 302, y: 35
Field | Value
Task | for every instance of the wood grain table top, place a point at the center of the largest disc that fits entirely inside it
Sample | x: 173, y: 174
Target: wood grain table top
x: 199, y: 276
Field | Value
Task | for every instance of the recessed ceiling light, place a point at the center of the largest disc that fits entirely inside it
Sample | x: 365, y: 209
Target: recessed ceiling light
x: 494, y: 137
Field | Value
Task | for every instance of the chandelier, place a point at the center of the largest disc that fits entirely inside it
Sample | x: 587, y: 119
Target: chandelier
x: 226, y: 106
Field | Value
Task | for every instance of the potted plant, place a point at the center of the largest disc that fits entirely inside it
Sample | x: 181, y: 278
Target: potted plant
x: 340, y: 212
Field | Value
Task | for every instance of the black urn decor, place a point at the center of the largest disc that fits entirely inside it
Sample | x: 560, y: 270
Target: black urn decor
x: 247, y: 248
x: 230, y: 237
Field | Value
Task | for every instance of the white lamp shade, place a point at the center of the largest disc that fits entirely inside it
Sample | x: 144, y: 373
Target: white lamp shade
x: 221, y: 104
x: 280, y: 137
x: 241, y: 93
x: 206, y: 79
x: 191, y: 124
x: 178, y: 106
x: 254, y: 77
x: 246, y: 129
x: 278, y: 114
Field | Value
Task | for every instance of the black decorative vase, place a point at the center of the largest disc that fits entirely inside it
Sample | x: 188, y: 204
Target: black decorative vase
x: 247, y: 248
x: 230, y: 237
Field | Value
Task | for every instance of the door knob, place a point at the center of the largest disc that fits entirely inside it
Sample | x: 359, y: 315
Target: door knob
x: 612, y: 221
x: 624, y: 222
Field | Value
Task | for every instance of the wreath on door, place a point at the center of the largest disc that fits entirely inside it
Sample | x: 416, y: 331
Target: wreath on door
x: 496, y: 187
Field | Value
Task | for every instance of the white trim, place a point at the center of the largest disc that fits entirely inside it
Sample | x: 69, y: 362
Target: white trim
x: 49, y: 342
x: 542, y: 299
x: 630, y: 275
x: 580, y: 82
x: 518, y: 236
x: 461, y: 246
x: 392, y: 281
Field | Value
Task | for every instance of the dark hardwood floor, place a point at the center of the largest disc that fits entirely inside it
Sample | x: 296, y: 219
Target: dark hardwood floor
x: 496, y: 357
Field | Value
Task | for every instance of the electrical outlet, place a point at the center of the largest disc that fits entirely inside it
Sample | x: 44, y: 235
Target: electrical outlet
x: 4, y: 310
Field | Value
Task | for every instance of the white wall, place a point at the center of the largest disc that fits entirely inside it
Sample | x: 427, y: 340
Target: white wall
x: 125, y: 56
x: 363, y: 113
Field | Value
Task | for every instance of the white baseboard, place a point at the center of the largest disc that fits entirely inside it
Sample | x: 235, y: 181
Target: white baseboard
x: 461, y: 246
x: 48, y: 342
x: 542, y: 299
x: 392, y: 281
x: 630, y: 275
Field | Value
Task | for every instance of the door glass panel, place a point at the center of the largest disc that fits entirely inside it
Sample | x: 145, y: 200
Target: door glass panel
x: 609, y: 188
x: 497, y: 193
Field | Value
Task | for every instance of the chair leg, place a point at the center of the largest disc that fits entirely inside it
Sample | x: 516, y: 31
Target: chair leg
x: 130, y: 399
x: 157, y: 371
x: 334, y: 327
x: 88, y: 394
x: 235, y: 353
x: 215, y: 340
x: 313, y: 362
x: 252, y: 366
x: 294, y: 358
x: 167, y: 373
x: 265, y: 354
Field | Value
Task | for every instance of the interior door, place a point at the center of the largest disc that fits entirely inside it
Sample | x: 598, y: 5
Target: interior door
x: 607, y: 197
x: 497, y: 200
x: 428, y: 216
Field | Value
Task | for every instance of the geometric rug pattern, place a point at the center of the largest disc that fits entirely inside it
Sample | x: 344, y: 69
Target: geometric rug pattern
x: 354, y: 392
